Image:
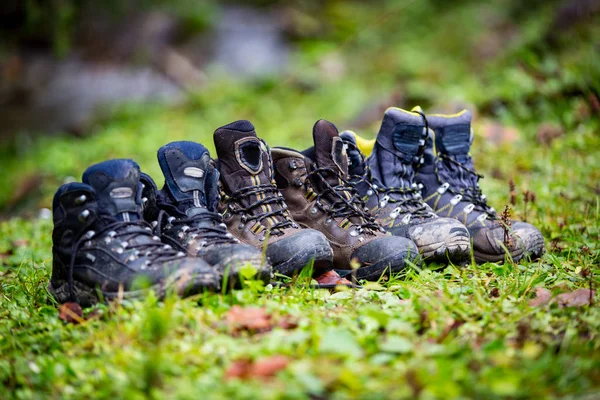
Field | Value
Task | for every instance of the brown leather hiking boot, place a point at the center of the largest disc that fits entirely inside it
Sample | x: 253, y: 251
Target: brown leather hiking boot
x: 314, y: 186
x: 254, y: 210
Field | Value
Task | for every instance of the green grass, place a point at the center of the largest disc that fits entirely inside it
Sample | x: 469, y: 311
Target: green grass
x: 439, y: 332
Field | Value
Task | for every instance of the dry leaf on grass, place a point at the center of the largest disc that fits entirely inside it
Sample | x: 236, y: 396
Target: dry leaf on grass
x: 255, y: 320
x: 542, y: 297
x: 260, y: 369
x: 578, y: 298
x: 71, y: 313
x: 332, y: 278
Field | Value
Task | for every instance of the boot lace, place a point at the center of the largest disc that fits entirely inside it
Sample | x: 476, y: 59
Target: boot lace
x: 408, y: 200
x: 340, y: 205
x: 465, y: 181
x: 153, y: 250
x: 254, y: 211
x: 207, y: 225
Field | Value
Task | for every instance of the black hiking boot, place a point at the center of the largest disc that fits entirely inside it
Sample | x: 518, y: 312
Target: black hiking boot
x: 386, y: 182
x: 314, y: 184
x: 102, y: 246
x: 254, y: 209
x: 449, y: 184
x: 185, y: 212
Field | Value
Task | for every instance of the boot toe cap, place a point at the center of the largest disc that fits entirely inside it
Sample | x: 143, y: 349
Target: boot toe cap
x: 529, y: 238
x: 441, y: 239
x: 290, y: 254
x: 387, y: 254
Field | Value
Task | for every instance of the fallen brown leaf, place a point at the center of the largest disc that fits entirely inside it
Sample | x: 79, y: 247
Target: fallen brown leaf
x: 20, y: 242
x: 261, y: 369
x: 578, y: 298
x: 71, y: 313
x: 238, y: 369
x: 288, y: 322
x: 547, y: 133
x: 268, y: 367
x: 253, y: 319
x: 332, y: 278
x: 542, y: 297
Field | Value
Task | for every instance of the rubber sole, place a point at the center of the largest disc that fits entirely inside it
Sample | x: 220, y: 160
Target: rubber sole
x: 180, y: 283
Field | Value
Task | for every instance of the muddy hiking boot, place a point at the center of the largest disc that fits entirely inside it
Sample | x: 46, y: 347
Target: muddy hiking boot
x: 254, y: 210
x: 185, y: 212
x: 315, y: 188
x: 101, y: 244
x: 385, y: 180
x: 450, y: 185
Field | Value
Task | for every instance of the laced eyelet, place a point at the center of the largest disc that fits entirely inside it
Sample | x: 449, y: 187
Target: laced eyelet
x: 171, y: 219
x: 119, y: 250
x: 442, y: 189
x: 384, y: 201
x: 469, y: 208
x: 298, y: 182
x: 83, y: 215
x: 354, y: 233
x: 456, y: 199
x: 81, y: 199
x: 314, y: 210
x: 293, y: 165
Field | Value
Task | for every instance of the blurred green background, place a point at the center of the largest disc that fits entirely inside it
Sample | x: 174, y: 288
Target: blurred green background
x: 83, y: 81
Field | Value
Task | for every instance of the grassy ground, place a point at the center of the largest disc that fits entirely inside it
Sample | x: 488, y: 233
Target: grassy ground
x: 439, y: 332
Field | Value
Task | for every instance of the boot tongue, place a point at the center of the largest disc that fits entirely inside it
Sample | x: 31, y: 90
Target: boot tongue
x: 402, y: 133
x: 117, y: 187
x: 453, y: 133
x: 244, y: 160
x: 185, y: 166
x: 329, y: 150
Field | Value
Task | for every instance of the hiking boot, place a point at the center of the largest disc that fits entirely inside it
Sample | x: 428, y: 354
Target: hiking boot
x: 185, y: 212
x: 102, y: 246
x: 386, y: 182
x: 254, y: 210
x: 315, y: 189
x: 449, y: 184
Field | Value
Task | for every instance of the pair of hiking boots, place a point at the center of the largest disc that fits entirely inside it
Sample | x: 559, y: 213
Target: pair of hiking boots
x: 420, y: 182
x: 104, y: 248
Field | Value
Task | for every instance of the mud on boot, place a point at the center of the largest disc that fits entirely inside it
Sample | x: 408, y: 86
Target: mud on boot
x: 385, y: 180
x: 450, y: 185
x: 185, y: 213
x: 102, y: 246
x: 315, y: 188
x: 255, y: 211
